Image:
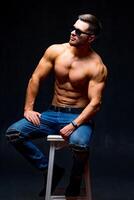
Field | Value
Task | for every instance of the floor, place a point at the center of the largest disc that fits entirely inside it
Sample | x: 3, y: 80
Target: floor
x: 112, y: 177
x: 20, y: 186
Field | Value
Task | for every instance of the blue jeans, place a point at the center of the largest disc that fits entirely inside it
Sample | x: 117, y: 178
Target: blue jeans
x: 21, y: 134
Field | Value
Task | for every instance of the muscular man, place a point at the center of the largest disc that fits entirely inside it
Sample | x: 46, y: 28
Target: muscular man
x: 80, y: 77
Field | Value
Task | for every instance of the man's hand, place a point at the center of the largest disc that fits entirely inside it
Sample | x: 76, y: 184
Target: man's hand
x: 33, y: 117
x: 67, y: 130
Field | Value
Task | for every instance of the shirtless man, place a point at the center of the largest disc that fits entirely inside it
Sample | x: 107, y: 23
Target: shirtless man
x: 80, y: 77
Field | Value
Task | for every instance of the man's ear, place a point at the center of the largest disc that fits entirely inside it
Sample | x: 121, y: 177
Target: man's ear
x: 91, y: 38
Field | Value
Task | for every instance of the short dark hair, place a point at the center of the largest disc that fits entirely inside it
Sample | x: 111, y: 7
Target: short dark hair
x: 95, y: 24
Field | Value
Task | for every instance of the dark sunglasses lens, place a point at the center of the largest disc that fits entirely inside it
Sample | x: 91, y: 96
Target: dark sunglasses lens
x: 78, y: 32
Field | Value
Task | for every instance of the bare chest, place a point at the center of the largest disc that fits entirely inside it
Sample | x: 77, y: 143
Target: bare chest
x: 69, y: 69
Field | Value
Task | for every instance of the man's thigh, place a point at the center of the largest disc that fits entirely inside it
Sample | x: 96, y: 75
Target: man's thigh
x: 27, y: 129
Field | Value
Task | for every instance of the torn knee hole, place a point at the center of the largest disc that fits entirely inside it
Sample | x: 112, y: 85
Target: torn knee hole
x: 79, y: 148
x: 13, y: 137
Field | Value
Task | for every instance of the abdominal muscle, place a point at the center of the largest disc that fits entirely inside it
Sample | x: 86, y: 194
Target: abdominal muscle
x: 66, y: 95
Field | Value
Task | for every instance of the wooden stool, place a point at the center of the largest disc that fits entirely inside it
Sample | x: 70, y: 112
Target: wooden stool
x: 57, y: 142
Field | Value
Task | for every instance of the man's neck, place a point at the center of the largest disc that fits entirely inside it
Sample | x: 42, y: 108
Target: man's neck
x: 81, y: 51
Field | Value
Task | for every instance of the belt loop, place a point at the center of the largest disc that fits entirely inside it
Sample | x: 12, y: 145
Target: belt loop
x: 69, y: 109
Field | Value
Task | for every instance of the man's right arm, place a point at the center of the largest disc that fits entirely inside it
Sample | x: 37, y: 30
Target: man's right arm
x: 42, y: 70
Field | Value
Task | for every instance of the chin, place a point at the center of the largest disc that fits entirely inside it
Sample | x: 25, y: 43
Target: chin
x: 72, y: 43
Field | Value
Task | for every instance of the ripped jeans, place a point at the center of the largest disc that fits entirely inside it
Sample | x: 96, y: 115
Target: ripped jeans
x: 21, y: 134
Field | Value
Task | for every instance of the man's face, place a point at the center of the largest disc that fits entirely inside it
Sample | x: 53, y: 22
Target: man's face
x: 79, y: 34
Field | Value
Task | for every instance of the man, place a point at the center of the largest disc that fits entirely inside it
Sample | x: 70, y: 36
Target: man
x: 80, y: 77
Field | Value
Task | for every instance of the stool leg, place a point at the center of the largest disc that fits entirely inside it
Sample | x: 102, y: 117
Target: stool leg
x: 50, y: 171
x: 88, y: 182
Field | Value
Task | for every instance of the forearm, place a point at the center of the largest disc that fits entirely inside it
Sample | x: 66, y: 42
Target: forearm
x: 90, y: 110
x: 31, y: 93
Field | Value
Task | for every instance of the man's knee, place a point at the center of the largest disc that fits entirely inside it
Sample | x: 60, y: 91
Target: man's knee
x: 78, y: 143
x: 13, y: 136
x: 79, y: 148
x: 80, y: 151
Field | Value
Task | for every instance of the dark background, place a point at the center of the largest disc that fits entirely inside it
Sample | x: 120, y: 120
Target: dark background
x: 27, y: 29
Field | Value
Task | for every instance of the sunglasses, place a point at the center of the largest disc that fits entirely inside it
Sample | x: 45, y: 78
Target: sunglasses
x: 78, y: 32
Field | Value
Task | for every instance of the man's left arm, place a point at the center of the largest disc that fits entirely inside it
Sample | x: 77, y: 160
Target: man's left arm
x: 95, y: 91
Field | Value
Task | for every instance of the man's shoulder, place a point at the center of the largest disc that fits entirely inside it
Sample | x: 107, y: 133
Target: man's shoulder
x: 57, y: 47
x: 99, y: 69
x: 55, y: 50
x: 97, y: 61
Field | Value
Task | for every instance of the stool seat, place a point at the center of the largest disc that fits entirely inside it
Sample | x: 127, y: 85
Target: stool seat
x: 55, y: 138
x: 56, y: 143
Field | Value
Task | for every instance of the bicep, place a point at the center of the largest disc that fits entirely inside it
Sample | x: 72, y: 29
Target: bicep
x: 95, y: 90
x: 43, y: 68
x: 97, y: 83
